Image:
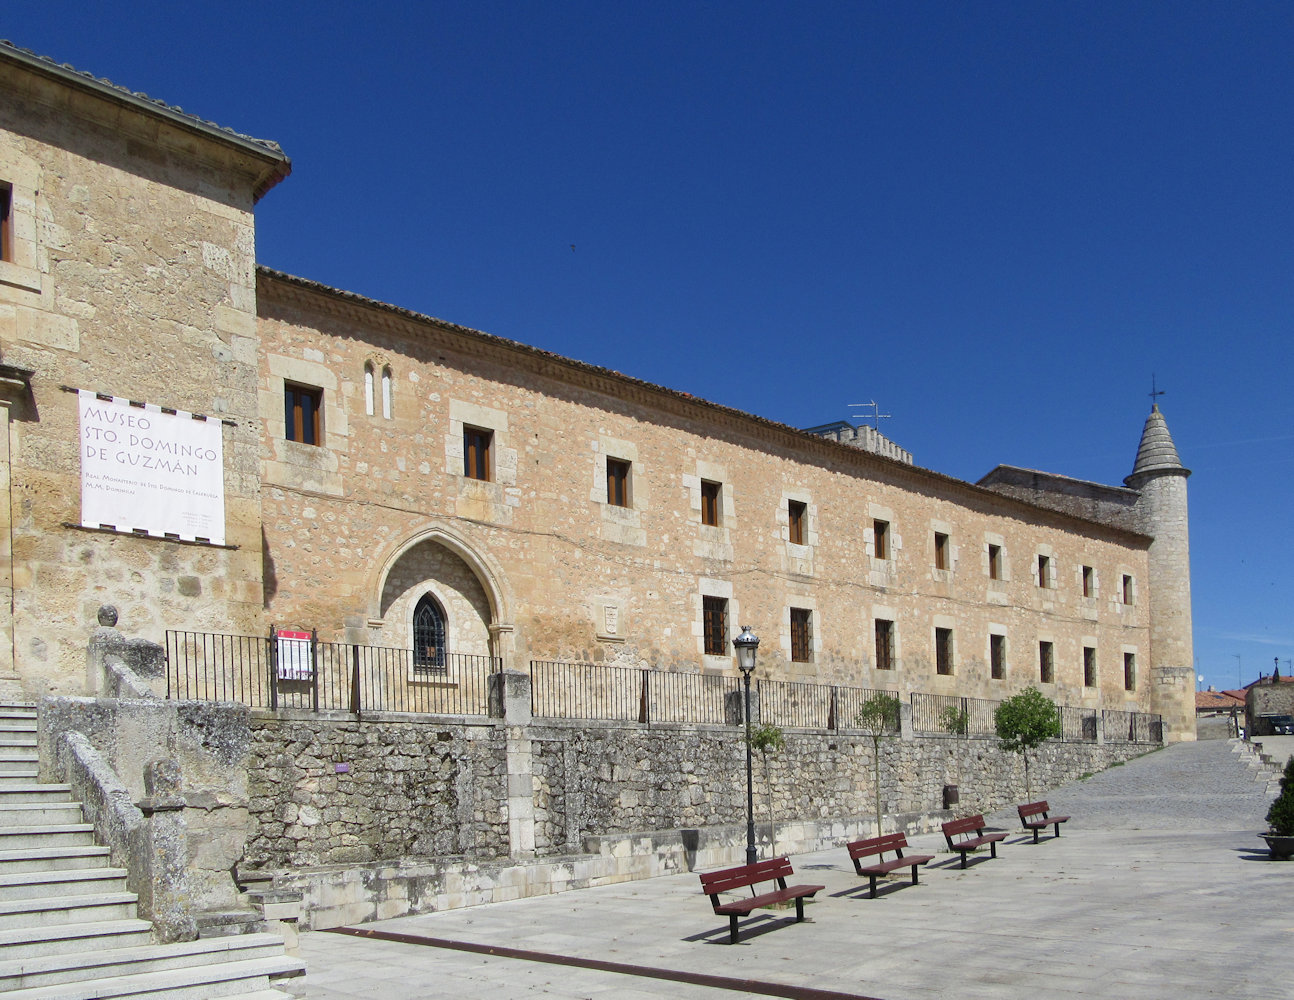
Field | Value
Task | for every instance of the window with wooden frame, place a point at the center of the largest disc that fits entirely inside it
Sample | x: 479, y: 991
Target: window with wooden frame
x: 303, y: 413
x: 796, y: 514
x: 994, y: 562
x: 618, y: 482
x: 714, y: 625
x: 996, y: 656
x: 801, y: 635
x: 1129, y: 671
x: 1126, y: 589
x: 6, y: 221
x: 1089, y: 666
x: 710, y: 493
x: 1089, y: 581
x: 884, y: 644
x: 1046, y: 662
x: 477, y: 444
x: 880, y: 539
x: 943, y: 651
x: 943, y: 560
x: 1044, y: 571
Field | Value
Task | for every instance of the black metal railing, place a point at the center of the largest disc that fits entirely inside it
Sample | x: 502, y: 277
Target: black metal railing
x: 951, y: 715
x: 1132, y: 727
x: 574, y: 690
x: 1077, y: 725
x: 296, y: 671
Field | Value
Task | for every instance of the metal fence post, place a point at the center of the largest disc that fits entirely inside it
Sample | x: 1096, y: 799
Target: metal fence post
x: 273, y: 660
x: 644, y: 698
x: 354, y: 678
x: 314, y: 670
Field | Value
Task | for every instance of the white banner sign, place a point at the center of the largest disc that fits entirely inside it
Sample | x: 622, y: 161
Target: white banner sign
x: 145, y: 469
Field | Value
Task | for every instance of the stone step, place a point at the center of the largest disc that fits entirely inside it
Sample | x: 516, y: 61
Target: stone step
x: 21, y: 741
x: 33, y: 942
x: 34, y: 791
x: 203, y: 982
x: 46, y: 859
x: 62, y: 883
x: 20, y: 838
x: 83, y: 964
x: 38, y: 813
x: 17, y: 723
x: 27, y: 771
x: 73, y: 910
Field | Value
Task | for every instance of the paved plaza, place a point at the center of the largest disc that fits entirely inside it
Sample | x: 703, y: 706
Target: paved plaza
x: 1159, y: 887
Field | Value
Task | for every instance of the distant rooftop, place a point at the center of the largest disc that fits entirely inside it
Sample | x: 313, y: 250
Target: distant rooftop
x: 863, y: 437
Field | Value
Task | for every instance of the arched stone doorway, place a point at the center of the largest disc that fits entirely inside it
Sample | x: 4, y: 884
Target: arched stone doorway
x: 434, y: 602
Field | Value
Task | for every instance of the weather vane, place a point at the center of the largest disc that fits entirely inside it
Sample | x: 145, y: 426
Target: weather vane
x: 1154, y: 391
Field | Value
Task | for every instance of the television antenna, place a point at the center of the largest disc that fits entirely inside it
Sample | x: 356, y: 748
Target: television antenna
x: 876, y: 416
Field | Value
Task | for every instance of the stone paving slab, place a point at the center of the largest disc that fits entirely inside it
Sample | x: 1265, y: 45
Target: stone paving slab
x: 1158, y: 887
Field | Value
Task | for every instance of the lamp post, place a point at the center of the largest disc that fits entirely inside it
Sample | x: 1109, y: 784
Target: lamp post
x: 746, y: 644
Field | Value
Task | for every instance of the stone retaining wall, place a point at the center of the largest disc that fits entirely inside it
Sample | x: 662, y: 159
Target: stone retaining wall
x: 328, y: 791
x: 334, y: 790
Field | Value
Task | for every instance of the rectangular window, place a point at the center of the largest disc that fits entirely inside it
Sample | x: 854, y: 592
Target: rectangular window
x: 6, y: 221
x: 884, y: 644
x: 476, y: 453
x: 795, y: 517
x: 1127, y: 589
x: 995, y: 562
x: 1089, y: 581
x: 943, y: 650
x: 881, y: 539
x: 1129, y: 671
x: 618, y: 482
x: 709, y: 502
x: 1046, y: 663
x: 303, y: 409
x: 801, y: 635
x: 1044, y: 571
x: 715, y: 626
x: 1089, y: 667
x: 942, y: 559
x: 997, y: 656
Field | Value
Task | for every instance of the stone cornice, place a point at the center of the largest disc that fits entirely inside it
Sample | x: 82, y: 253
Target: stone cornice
x: 353, y: 309
x: 263, y: 158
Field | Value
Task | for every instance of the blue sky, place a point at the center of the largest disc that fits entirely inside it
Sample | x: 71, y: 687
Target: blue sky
x: 997, y: 220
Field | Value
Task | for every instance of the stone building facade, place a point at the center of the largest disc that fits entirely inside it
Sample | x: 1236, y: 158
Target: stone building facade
x: 384, y: 469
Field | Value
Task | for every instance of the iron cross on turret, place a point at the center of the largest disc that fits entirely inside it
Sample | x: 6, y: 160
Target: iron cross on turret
x: 1155, y: 391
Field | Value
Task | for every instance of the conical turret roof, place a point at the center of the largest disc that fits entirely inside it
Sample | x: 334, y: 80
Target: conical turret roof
x: 1156, y: 453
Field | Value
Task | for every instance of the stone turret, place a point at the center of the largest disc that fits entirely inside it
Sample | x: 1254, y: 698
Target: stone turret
x: 1159, y: 478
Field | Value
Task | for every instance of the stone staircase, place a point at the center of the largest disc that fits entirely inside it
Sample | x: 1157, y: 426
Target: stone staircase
x: 69, y: 930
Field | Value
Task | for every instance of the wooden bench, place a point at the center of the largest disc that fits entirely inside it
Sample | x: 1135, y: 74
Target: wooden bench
x: 1034, y: 816
x: 896, y: 842
x: 971, y: 830
x: 774, y: 870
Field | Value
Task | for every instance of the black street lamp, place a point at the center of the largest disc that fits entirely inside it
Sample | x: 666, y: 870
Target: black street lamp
x: 746, y: 644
